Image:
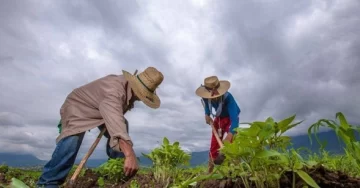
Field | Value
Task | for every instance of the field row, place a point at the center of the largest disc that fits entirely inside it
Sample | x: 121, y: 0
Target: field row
x: 260, y: 156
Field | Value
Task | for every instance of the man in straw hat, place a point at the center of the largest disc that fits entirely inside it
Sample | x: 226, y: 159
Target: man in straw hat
x: 215, y: 95
x: 102, y: 102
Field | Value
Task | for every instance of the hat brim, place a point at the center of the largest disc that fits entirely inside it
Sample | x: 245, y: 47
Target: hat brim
x: 147, y: 97
x: 204, y: 93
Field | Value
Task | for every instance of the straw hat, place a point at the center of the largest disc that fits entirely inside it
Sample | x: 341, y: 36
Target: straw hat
x: 213, y: 87
x: 145, y: 84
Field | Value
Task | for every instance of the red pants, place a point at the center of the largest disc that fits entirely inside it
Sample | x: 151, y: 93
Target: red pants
x: 225, y: 123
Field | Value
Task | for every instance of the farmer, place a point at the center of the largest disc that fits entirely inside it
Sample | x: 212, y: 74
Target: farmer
x: 215, y: 94
x: 102, y: 102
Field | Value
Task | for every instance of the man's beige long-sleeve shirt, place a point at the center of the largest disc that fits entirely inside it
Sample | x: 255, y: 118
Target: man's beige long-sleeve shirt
x: 104, y: 100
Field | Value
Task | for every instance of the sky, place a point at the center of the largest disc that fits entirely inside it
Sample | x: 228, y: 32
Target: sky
x: 281, y: 57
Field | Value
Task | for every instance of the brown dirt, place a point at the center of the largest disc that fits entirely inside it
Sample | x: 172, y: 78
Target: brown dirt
x: 89, y: 180
x: 323, y: 177
x: 2, y: 178
x: 144, y: 180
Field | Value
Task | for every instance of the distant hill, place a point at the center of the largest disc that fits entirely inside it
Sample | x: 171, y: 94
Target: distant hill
x: 19, y: 160
x: 198, y: 158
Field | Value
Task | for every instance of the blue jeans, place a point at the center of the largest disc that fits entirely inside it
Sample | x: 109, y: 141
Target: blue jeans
x: 63, y: 158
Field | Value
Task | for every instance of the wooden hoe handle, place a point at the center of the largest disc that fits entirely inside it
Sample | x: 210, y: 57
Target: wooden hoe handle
x: 85, y: 158
x: 214, y: 130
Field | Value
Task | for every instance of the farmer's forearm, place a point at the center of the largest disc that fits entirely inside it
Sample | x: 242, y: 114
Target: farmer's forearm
x: 126, y: 147
x: 229, y: 137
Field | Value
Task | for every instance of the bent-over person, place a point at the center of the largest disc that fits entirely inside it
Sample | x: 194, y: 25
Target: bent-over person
x: 100, y: 103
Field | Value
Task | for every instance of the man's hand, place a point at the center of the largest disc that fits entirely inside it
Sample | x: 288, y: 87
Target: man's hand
x: 130, y: 165
x: 229, y: 137
x: 208, y: 120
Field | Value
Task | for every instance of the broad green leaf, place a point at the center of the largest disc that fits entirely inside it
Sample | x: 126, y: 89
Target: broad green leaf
x: 307, y: 179
x: 16, y: 183
x: 298, y: 165
x: 266, y: 132
x: 266, y: 154
x: 292, y: 126
x: 270, y: 121
x: 101, y: 182
x: 253, y: 131
x: 283, y: 124
x: 311, y: 163
x: 284, y: 138
x: 258, y: 124
x: 165, y: 141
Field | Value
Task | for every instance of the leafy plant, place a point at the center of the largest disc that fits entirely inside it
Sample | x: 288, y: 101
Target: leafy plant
x: 112, y: 170
x: 344, y: 131
x: 134, y: 184
x: 295, y: 164
x: 258, y: 157
x: 258, y: 153
x: 194, y: 180
x: 167, y: 159
x: 4, y: 169
x: 18, y: 183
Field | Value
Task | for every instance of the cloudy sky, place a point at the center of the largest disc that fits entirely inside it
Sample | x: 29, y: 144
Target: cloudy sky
x: 281, y: 57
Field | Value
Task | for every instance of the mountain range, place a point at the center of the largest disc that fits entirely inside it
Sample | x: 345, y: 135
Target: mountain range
x: 197, y: 158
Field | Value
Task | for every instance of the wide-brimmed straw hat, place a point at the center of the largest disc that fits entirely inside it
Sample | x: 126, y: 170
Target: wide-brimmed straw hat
x: 213, y: 87
x: 144, y: 85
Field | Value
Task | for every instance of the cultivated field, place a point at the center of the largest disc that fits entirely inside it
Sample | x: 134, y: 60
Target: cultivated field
x: 260, y: 156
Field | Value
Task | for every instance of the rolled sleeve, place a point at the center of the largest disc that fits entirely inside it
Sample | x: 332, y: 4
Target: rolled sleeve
x: 111, y: 110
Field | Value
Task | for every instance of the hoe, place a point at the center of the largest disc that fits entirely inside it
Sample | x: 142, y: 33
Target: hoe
x: 85, y: 158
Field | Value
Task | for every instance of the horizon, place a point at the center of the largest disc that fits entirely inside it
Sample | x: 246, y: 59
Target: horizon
x: 139, y: 154
x: 281, y: 58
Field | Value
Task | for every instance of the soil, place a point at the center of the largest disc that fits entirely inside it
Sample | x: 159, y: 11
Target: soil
x: 89, y: 180
x: 144, y: 180
x: 323, y: 177
x: 2, y: 178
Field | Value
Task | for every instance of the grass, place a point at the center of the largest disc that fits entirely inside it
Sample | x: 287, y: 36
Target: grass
x: 260, y: 156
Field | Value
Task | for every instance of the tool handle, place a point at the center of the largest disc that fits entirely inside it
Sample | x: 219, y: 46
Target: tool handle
x: 86, y: 157
x: 213, y: 129
x: 217, y: 136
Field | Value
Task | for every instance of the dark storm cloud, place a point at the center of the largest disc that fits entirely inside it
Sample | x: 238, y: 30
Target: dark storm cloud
x: 10, y: 119
x: 314, y: 73
x: 45, y: 53
x: 282, y: 58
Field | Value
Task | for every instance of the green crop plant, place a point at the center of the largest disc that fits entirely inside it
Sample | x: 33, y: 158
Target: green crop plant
x: 134, y: 184
x: 112, y: 170
x: 295, y: 164
x: 344, y: 131
x: 194, y: 180
x: 166, y: 160
x: 4, y: 169
x: 343, y: 163
x: 18, y: 183
x: 258, y: 153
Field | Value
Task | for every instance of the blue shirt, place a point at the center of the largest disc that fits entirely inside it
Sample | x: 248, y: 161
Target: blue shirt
x: 230, y: 109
